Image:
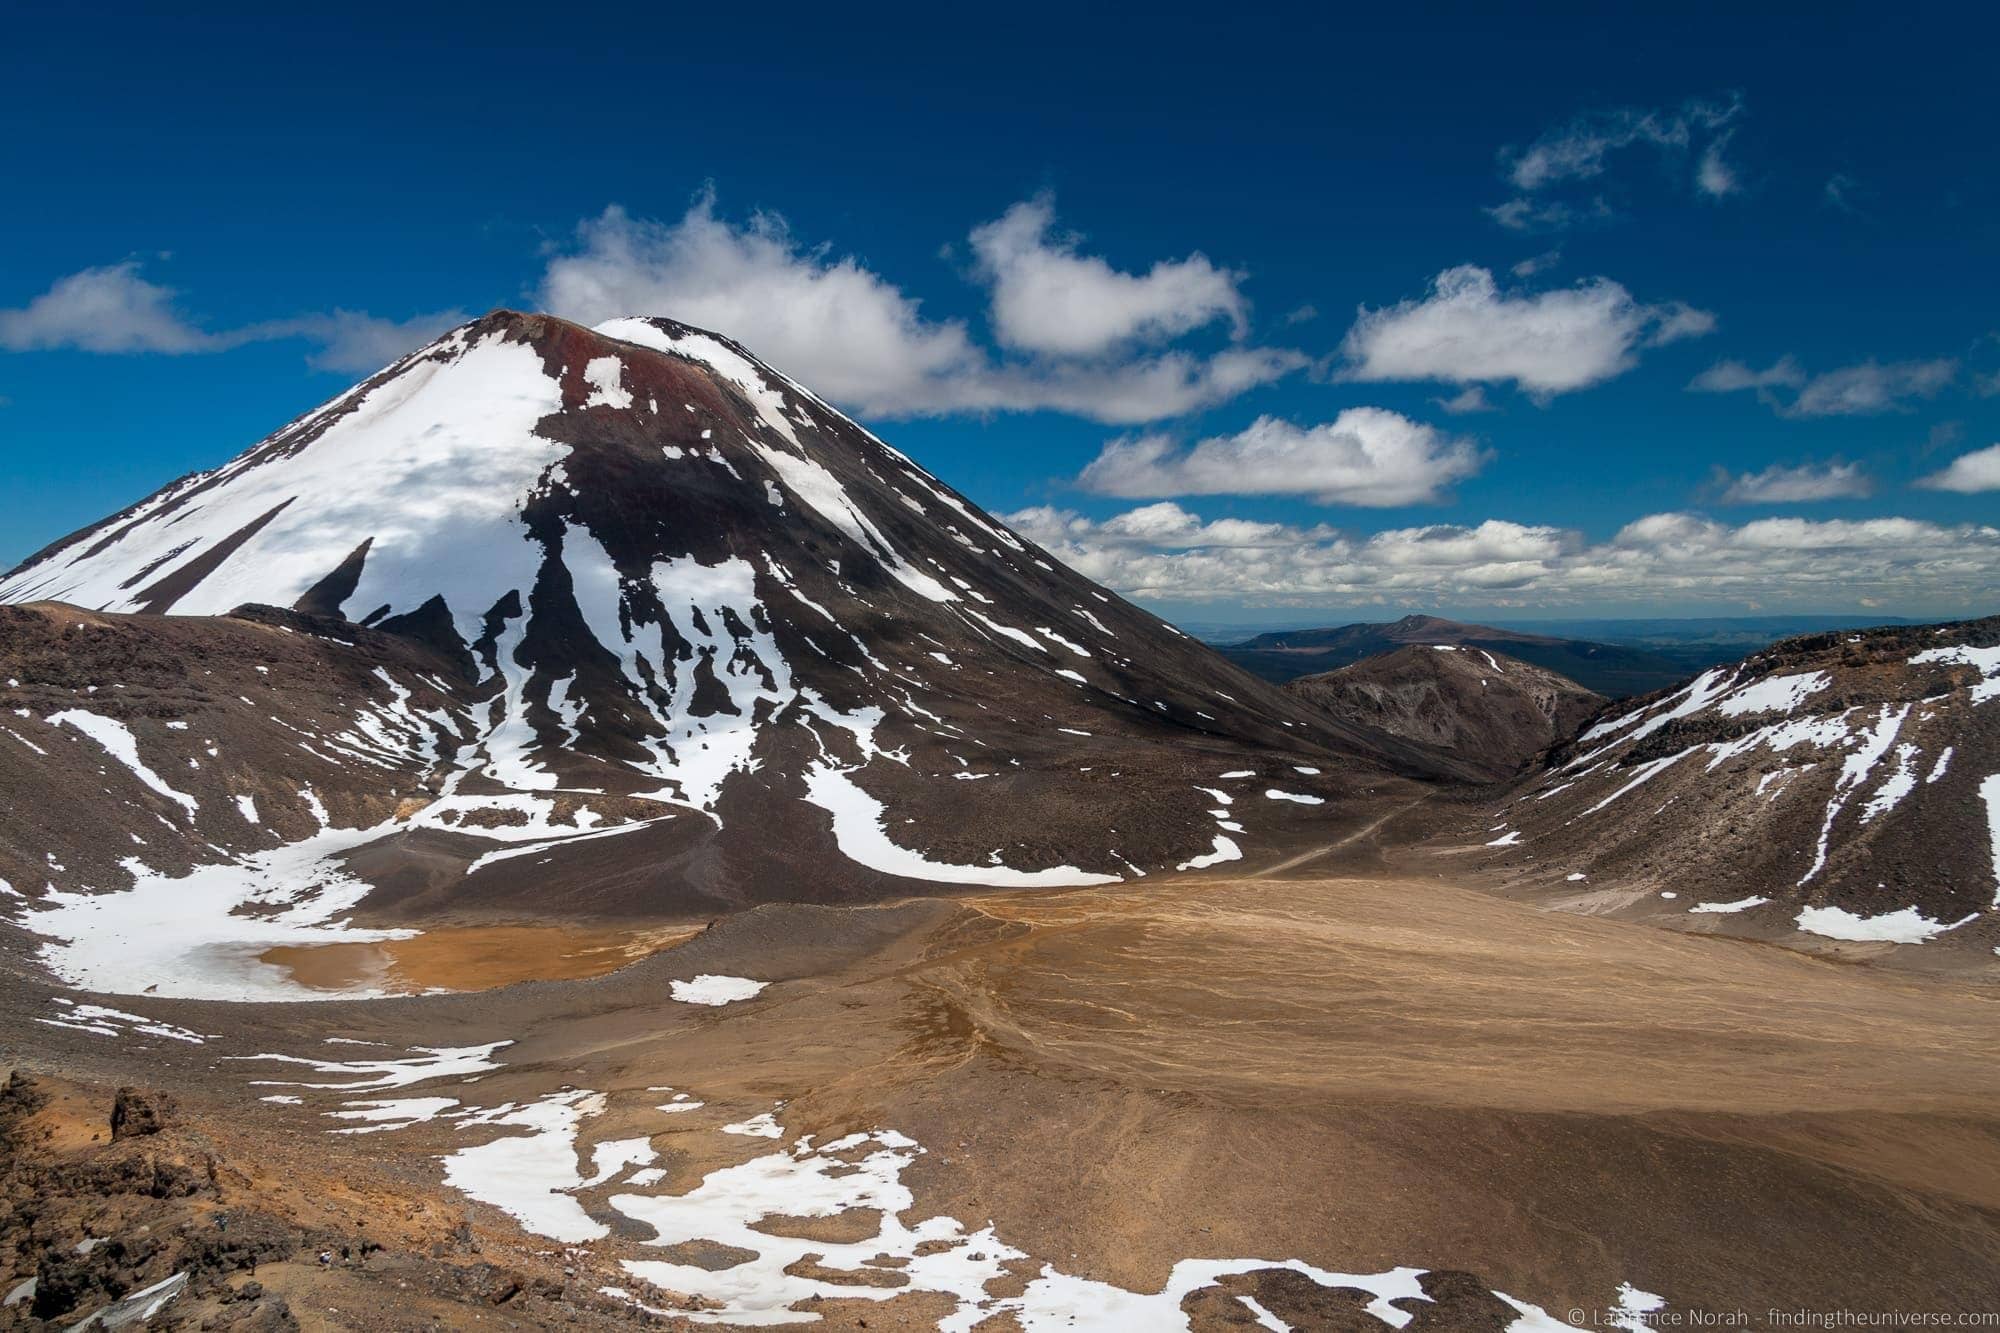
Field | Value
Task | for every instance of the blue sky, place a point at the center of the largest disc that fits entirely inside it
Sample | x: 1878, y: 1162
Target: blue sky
x: 1201, y: 296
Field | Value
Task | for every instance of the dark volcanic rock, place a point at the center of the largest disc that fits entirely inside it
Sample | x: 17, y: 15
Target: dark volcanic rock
x: 21, y: 1096
x: 1494, y: 712
x: 1457, y: 1303
x: 138, y: 1111
x: 1834, y: 790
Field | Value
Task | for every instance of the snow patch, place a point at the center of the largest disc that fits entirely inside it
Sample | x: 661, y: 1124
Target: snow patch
x: 1909, y: 926
x: 1773, y: 694
x: 116, y: 740
x: 859, y: 832
x: 1984, y: 660
x: 528, y: 1176
x: 1223, y: 849
x: 605, y: 376
x: 715, y: 990
x: 1989, y: 792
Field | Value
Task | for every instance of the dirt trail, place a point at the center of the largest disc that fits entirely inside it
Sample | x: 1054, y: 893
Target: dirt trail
x: 1318, y: 853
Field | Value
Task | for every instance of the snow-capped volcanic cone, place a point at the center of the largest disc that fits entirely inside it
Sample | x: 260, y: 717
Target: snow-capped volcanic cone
x: 615, y: 620
x: 1832, y: 790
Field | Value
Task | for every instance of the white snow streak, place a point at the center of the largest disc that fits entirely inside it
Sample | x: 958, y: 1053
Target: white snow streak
x: 118, y: 742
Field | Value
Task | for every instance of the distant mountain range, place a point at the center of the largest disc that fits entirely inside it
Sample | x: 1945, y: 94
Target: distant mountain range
x: 1613, y: 670
x: 1692, y: 643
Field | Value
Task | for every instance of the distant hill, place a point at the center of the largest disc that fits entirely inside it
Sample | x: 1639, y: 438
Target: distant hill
x: 1612, y: 670
x: 1700, y: 642
x: 1493, y: 712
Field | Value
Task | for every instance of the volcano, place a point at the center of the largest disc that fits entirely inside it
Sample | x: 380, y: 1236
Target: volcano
x: 1496, y: 713
x: 556, y: 620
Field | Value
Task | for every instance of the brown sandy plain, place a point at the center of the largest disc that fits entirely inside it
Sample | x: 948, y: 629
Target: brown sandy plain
x: 1353, y: 1062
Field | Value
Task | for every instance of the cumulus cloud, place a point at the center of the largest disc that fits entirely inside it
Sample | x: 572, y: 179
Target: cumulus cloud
x: 1467, y: 330
x: 1048, y: 298
x: 836, y: 324
x: 1162, y: 525
x: 113, y: 309
x: 856, y: 337
x: 1366, y: 456
x: 1670, y: 557
x: 1151, y: 388
x: 1968, y: 474
x: 107, y: 309
x: 1866, y: 389
x: 1778, y: 484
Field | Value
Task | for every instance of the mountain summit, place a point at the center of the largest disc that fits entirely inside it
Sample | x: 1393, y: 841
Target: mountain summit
x: 536, y: 585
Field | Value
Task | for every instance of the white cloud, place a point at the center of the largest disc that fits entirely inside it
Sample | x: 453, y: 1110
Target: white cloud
x: 1524, y: 214
x: 1968, y: 474
x: 1713, y: 175
x: 1162, y: 525
x: 1582, y: 151
x: 858, y: 339
x: 1660, y: 559
x: 1151, y: 388
x: 351, y: 342
x: 1734, y: 376
x: 1676, y: 320
x: 108, y: 309
x: 1871, y: 387
x: 1796, y: 485
x: 1472, y: 398
x: 1860, y: 390
x: 1540, y: 263
x: 1365, y: 456
x: 832, y: 322
x: 113, y: 310
x: 1048, y: 298
x: 1466, y: 330
x: 1579, y: 149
